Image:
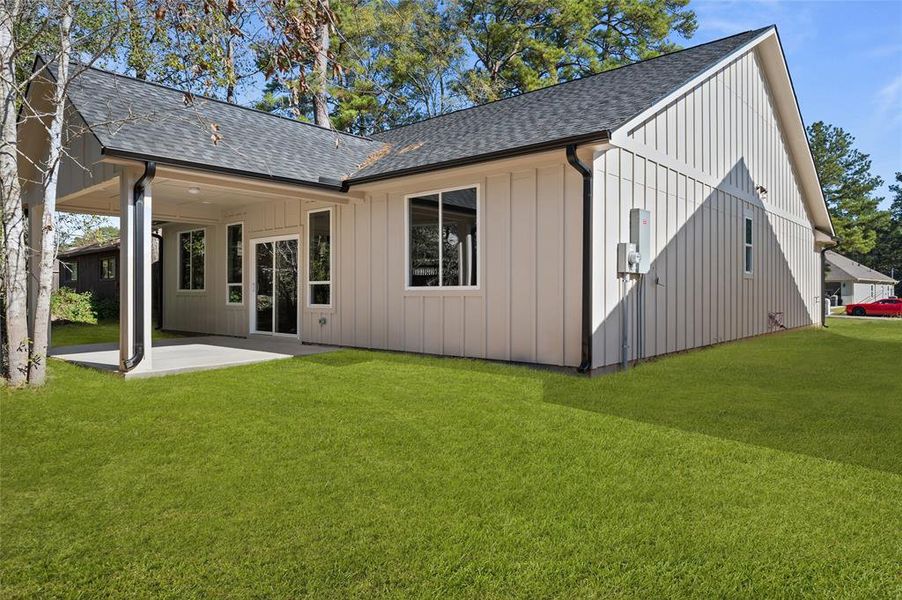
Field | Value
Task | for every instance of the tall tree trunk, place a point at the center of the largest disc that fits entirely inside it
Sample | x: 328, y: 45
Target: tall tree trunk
x: 230, y: 71
x: 15, y: 276
x: 321, y: 70
x: 37, y: 373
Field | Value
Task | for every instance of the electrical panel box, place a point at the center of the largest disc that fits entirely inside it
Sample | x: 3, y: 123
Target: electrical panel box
x: 627, y: 258
x: 640, y: 237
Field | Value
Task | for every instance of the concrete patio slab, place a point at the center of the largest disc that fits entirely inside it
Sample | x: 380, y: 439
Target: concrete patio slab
x: 182, y: 355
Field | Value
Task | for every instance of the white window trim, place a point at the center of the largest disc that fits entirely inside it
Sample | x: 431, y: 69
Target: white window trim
x: 308, y: 282
x: 479, y: 246
x: 252, y: 305
x: 102, y: 260
x: 746, y: 219
x: 228, y: 285
x: 178, y: 271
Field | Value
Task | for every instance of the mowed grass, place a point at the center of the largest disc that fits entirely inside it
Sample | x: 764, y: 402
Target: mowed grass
x: 73, y: 334
x: 770, y: 467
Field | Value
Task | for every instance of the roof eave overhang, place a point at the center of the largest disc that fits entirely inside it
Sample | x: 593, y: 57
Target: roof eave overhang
x: 557, y: 144
x: 216, y: 169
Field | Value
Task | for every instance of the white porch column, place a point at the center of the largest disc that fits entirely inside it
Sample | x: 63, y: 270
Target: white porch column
x: 127, y: 274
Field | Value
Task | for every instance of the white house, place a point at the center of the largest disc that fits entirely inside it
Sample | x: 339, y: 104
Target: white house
x: 489, y: 232
x: 854, y: 283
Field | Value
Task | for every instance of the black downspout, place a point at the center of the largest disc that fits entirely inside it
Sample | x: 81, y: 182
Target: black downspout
x: 823, y: 288
x: 150, y: 169
x: 585, y: 365
x: 159, y: 239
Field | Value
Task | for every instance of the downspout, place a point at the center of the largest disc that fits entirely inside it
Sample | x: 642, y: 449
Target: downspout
x: 159, y: 239
x: 150, y: 169
x: 585, y: 365
x: 823, y: 287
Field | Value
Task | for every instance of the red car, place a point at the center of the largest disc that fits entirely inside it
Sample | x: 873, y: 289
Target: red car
x: 890, y: 307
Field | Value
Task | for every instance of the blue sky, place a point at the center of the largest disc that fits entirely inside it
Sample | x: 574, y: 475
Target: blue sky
x: 845, y: 59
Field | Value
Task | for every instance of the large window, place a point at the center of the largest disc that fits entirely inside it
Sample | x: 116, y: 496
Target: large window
x: 749, y: 248
x: 108, y: 268
x: 442, y: 234
x: 192, y: 247
x: 235, y: 264
x: 319, y: 257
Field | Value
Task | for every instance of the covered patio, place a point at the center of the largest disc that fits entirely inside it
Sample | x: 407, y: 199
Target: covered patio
x: 143, y: 155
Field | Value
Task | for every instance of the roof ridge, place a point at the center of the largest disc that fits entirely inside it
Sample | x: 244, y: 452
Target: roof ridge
x: 224, y: 102
x: 574, y: 80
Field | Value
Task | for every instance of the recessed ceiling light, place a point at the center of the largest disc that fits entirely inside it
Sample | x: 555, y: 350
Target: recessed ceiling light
x: 193, y: 190
x: 205, y: 202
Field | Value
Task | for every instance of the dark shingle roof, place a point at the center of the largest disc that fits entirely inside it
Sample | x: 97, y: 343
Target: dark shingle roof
x: 134, y: 116
x: 843, y: 268
x: 576, y: 109
x: 129, y: 116
x: 91, y: 248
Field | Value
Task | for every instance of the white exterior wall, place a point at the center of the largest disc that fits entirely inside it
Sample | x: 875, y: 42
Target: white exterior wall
x: 695, y: 165
x: 203, y: 311
x: 526, y: 307
x: 528, y: 301
x: 857, y: 292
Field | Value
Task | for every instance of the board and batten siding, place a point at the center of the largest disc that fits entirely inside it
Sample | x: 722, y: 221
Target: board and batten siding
x: 207, y: 311
x: 695, y: 166
x: 526, y: 307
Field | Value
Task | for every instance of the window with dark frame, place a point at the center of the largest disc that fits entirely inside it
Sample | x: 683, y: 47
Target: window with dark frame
x: 749, y: 248
x: 192, y: 248
x: 235, y: 264
x: 108, y: 268
x: 442, y: 239
x: 319, y: 258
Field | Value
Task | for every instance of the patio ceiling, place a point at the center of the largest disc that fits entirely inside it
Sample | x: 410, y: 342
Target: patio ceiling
x: 191, y: 196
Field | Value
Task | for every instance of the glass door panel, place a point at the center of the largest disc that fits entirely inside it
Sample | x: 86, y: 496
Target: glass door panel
x: 263, y: 259
x: 286, y: 268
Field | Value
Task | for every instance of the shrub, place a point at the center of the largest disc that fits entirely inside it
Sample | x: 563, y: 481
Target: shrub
x: 68, y: 305
x: 106, y: 308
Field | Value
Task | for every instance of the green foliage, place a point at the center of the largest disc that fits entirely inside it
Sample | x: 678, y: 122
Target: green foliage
x: 848, y: 187
x: 105, y: 308
x: 756, y: 469
x: 887, y: 254
x: 403, y: 60
x: 68, y: 305
x: 203, y: 47
x: 525, y: 45
x: 77, y: 229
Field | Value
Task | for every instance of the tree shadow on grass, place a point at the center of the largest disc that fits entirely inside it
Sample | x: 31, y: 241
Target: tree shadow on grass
x: 828, y: 394
x: 813, y: 392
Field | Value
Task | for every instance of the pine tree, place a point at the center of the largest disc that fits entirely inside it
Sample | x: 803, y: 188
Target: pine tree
x: 848, y: 186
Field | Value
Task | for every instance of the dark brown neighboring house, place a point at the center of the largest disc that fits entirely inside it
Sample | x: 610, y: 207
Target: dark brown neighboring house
x: 95, y: 268
x: 91, y: 268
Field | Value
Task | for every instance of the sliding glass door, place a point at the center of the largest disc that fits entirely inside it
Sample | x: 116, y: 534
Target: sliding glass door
x: 275, y: 308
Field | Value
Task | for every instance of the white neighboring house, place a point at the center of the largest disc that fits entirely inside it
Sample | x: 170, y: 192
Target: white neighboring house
x: 854, y: 283
x: 490, y: 232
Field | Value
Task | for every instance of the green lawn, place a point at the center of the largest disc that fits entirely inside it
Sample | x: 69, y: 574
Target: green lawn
x: 71, y: 334
x: 765, y: 468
